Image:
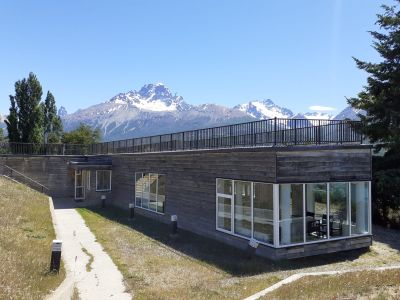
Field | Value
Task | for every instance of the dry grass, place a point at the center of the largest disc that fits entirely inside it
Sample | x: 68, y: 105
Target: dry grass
x: 91, y: 259
x: 186, y: 267
x: 357, y: 285
x: 26, y: 233
x: 193, y: 267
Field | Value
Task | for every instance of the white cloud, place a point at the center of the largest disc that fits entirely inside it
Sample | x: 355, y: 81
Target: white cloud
x: 322, y: 108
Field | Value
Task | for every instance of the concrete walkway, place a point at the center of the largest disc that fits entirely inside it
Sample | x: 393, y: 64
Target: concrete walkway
x: 103, y: 281
x: 295, y: 277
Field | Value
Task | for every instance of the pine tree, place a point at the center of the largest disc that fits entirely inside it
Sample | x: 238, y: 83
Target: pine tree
x: 51, y: 121
x: 380, y: 98
x: 29, y: 114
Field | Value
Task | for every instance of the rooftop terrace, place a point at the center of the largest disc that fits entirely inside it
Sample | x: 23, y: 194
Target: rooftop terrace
x: 275, y: 132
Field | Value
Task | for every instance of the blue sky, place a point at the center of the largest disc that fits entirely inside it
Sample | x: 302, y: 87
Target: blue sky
x: 297, y: 53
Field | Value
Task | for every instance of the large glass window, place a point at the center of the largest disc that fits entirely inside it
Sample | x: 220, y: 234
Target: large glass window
x: 307, y: 212
x: 316, y: 211
x: 243, y: 208
x: 339, y: 209
x: 291, y: 218
x: 359, y: 208
x: 224, y: 214
x: 103, y: 180
x: 161, y: 194
x: 150, y: 191
x: 263, y: 215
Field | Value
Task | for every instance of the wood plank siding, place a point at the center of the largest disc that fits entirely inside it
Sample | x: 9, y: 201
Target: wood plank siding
x: 191, y: 182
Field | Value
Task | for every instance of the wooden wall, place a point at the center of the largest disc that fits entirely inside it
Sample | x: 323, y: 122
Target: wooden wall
x: 320, y: 164
x: 191, y: 181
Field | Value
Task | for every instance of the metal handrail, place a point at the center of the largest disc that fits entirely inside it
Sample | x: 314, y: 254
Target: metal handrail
x: 30, y: 179
x: 269, y: 132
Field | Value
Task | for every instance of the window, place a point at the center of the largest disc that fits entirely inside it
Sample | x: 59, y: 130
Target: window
x: 291, y: 217
x: 305, y: 212
x: 224, y: 204
x: 242, y: 208
x: 150, y: 191
x: 103, y: 180
x: 245, y: 208
x: 263, y: 215
x: 359, y: 208
x: 316, y: 211
x: 339, y: 209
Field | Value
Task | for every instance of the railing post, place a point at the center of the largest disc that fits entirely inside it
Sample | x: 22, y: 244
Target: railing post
x: 295, y: 131
x: 183, y: 140
x: 230, y: 136
x: 319, y: 132
x: 253, y: 137
x: 275, y: 131
x: 170, y: 140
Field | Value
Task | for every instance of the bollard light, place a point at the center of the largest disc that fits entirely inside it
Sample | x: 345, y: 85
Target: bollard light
x: 103, y: 201
x: 55, y: 256
x: 131, y: 211
x: 251, y: 248
x: 174, y: 224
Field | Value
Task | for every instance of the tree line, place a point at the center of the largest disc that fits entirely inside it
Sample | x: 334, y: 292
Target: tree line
x: 34, y: 121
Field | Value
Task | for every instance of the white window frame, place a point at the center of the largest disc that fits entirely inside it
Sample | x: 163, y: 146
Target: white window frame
x: 276, y: 213
x: 232, y: 197
x: 103, y: 190
x: 165, y: 196
x: 79, y: 172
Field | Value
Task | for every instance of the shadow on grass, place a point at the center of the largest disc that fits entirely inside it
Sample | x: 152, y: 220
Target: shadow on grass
x: 390, y: 237
x: 213, y: 252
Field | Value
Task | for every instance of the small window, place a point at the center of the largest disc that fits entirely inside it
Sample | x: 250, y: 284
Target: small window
x: 150, y: 191
x: 103, y: 180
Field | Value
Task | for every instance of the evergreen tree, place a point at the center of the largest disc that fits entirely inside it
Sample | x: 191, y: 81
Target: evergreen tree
x: 26, y: 113
x: 2, y: 138
x: 380, y: 98
x: 14, y: 134
x: 51, y: 121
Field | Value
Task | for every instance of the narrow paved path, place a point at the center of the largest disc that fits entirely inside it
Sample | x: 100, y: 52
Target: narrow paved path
x: 295, y: 277
x: 104, y: 280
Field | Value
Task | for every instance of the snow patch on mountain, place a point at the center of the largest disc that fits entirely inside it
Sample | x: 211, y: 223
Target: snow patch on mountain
x: 264, y: 109
x: 350, y: 113
x: 151, y: 97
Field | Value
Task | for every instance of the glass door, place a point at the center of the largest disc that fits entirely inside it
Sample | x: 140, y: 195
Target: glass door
x: 79, y: 185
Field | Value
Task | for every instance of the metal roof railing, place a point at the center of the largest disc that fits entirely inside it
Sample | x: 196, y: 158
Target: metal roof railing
x: 271, y: 132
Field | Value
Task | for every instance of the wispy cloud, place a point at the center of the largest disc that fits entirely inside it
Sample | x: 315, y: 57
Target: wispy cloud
x: 322, y: 108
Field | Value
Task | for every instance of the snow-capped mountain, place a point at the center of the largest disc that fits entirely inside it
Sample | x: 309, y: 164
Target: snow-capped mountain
x: 152, y: 97
x: 62, y: 112
x: 349, y: 113
x: 264, y: 109
x: 152, y: 110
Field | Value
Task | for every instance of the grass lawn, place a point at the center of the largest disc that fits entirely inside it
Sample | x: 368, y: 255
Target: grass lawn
x: 357, y: 285
x: 26, y: 234
x: 156, y: 266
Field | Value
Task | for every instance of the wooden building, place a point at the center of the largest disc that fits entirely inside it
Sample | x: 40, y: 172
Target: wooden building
x: 293, y: 200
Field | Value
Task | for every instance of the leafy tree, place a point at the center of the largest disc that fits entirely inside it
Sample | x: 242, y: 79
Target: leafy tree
x: 52, y: 124
x: 25, y: 123
x: 380, y: 98
x: 84, y: 134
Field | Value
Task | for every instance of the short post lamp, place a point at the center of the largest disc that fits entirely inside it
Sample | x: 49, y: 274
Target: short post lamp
x: 174, y: 225
x: 103, y: 201
x: 131, y: 211
x: 55, y: 256
x: 251, y: 248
